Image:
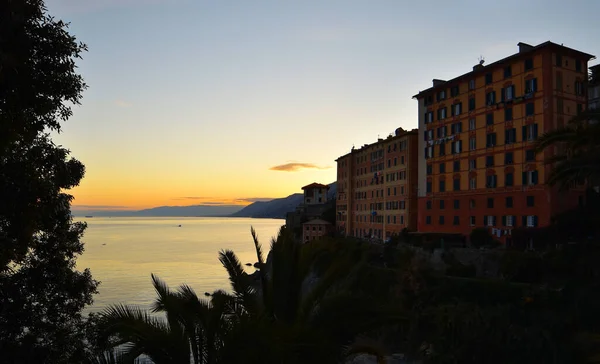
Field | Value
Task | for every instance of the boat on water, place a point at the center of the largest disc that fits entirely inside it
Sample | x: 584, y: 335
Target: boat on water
x: 88, y: 216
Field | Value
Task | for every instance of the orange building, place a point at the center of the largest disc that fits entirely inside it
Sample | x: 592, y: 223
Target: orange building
x: 476, y: 163
x: 315, y: 229
x: 376, y: 187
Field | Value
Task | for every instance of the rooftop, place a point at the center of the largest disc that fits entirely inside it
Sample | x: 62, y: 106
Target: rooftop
x: 524, y: 48
x: 315, y: 185
x: 399, y: 133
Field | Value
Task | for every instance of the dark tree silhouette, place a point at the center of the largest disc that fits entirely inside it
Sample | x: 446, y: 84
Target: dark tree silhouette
x: 41, y: 292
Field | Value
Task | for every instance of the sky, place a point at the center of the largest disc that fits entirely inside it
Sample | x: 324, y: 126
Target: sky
x: 194, y: 101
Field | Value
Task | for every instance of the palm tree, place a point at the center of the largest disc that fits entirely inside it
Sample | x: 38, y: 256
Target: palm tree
x: 304, y: 300
x: 577, y: 145
x: 191, y: 332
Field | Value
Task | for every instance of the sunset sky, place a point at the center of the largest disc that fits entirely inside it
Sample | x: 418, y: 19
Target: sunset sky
x: 194, y: 101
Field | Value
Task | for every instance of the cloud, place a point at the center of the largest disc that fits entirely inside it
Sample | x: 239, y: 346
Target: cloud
x: 295, y: 167
x: 122, y: 103
x: 255, y: 199
x: 217, y: 201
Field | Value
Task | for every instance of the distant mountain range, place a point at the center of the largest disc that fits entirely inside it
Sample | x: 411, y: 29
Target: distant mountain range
x: 167, y: 211
x: 275, y: 209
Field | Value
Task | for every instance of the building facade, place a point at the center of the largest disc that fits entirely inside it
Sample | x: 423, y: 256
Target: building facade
x: 376, y: 196
x: 476, y: 161
x: 315, y: 229
x: 315, y: 193
x: 594, y: 87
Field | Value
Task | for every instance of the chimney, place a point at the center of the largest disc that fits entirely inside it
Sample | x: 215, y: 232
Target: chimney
x: 477, y: 67
x: 524, y: 47
x: 437, y: 82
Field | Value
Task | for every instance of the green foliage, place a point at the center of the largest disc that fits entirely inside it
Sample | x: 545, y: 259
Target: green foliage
x: 41, y: 293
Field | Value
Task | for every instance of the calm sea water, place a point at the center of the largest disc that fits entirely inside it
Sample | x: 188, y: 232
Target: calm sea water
x: 123, y: 252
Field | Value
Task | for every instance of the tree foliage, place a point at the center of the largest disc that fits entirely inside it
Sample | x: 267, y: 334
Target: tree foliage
x: 41, y: 292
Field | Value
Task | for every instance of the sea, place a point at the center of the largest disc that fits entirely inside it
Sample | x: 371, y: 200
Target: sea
x: 122, y: 253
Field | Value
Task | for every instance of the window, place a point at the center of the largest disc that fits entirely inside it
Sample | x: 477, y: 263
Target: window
x: 441, y: 95
x: 442, y: 186
x: 490, y: 140
x: 488, y: 78
x: 454, y: 91
x: 530, y: 221
x: 530, y: 201
x: 491, y: 181
x: 531, y: 85
x: 579, y: 90
x: 579, y: 108
x: 528, y: 64
x: 456, y: 184
x: 402, y: 159
x: 442, y: 148
x: 558, y: 60
x: 509, y: 180
x: 456, y: 166
x: 529, y: 155
x: 429, y: 187
x: 558, y: 81
x: 457, y: 108
x: 530, y: 178
x: 472, y: 124
x: 490, y: 203
x: 510, y: 136
x: 578, y: 65
x: 507, y: 72
x: 490, y: 98
x: 508, y: 158
x: 428, y: 205
x: 489, y: 161
x: 441, y: 132
x: 472, y: 220
x: 442, y: 220
x: 456, y: 147
x: 472, y: 143
x: 472, y: 164
x: 456, y: 220
x: 509, y: 202
x: 489, y: 119
x: 456, y: 128
x: 509, y: 93
x: 471, y: 104
x: 472, y: 203
x: 442, y: 167
x: 442, y: 204
x: 529, y: 109
x: 530, y: 132
x: 456, y: 204
x: 441, y: 113
x: 490, y: 220
x: 508, y: 220
x: 508, y: 114
x: 428, y: 220
x: 429, y: 169
x: 473, y: 183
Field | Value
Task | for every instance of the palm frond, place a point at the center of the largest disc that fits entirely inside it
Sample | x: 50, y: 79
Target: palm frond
x: 261, y: 265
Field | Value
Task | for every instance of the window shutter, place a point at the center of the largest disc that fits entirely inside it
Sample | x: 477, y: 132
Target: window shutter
x: 535, y: 131
x: 485, y: 220
x: 534, y: 177
x: 502, y: 95
x: 535, y: 221
x: 439, y: 132
x: 445, y: 130
x: 506, y: 136
x: 524, y: 132
x: 459, y: 127
x: 524, y: 221
x: 524, y: 178
x: 504, y: 220
x: 534, y: 84
x: 493, y: 220
x: 452, y: 129
x: 513, y: 91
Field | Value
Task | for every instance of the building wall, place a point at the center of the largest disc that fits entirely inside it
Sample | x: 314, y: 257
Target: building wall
x: 315, y: 196
x: 551, y: 105
x: 379, y: 187
x: 314, y: 231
